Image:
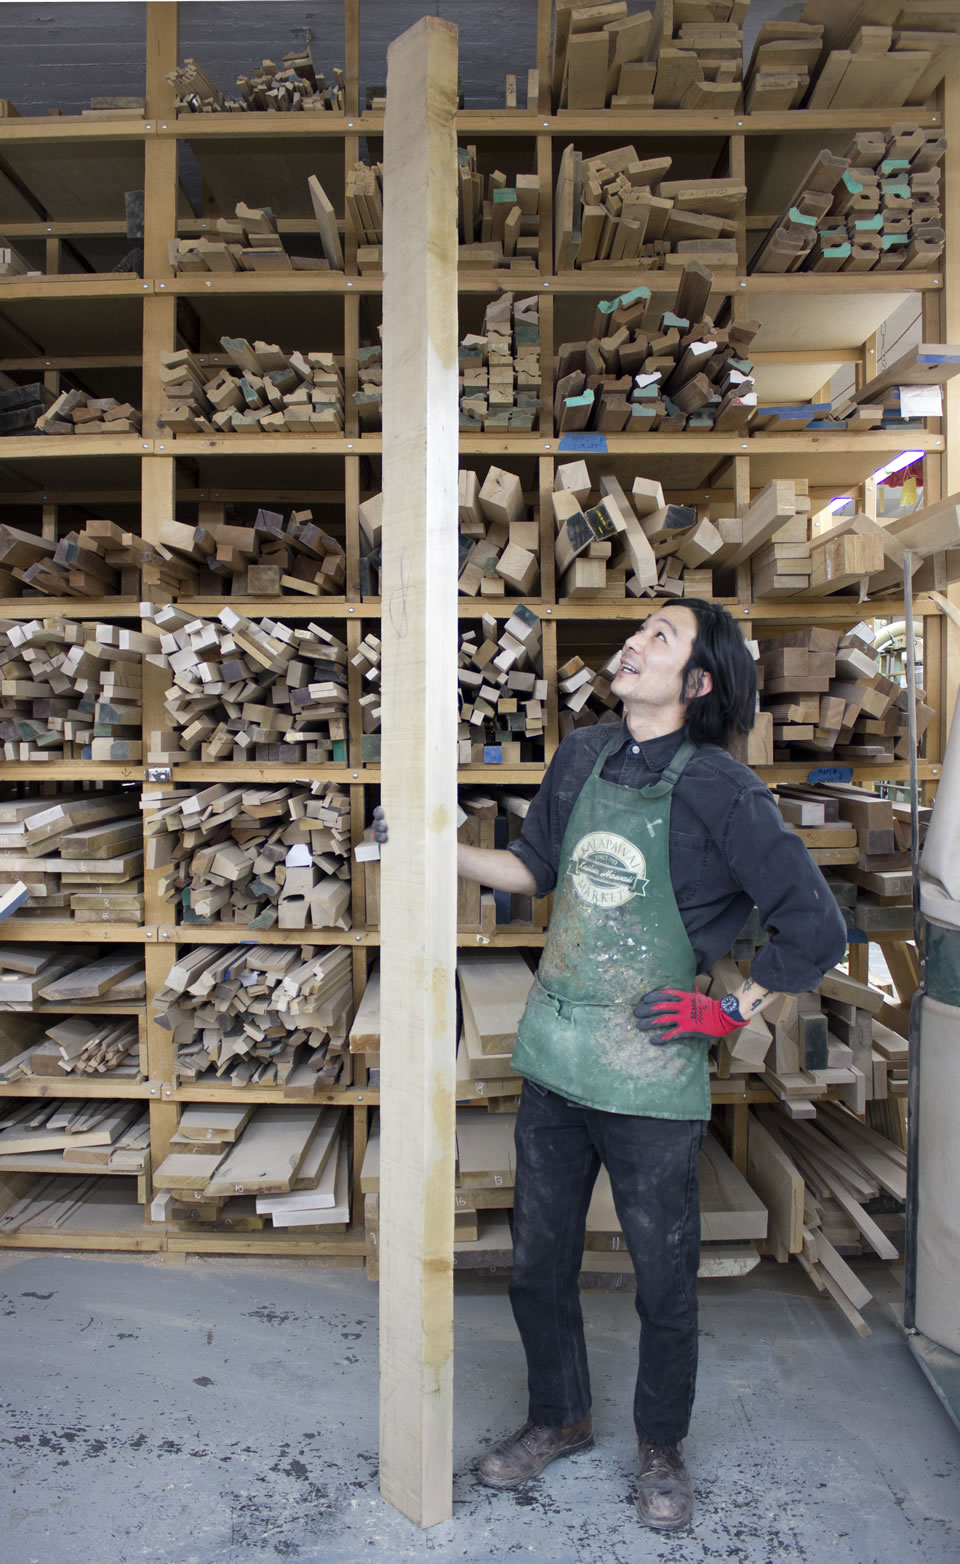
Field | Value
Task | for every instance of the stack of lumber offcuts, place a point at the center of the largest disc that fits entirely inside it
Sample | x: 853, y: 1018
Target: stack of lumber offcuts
x: 890, y: 398
x: 276, y: 556
x: 500, y: 368
x: 825, y: 693
x: 264, y: 857
x: 262, y: 391
x: 249, y: 241
x: 80, y: 856
x: 817, y: 1178
x: 617, y: 209
x: 295, y: 85
x: 368, y: 400
x: 499, y: 539
x: 249, y: 690
x: 21, y: 406
x: 76, y: 412
x: 261, y: 1014
x: 364, y: 214
x: 862, y: 842
x: 63, y: 976
x: 499, y: 221
x: 71, y: 690
x: 502, y: 691
x: 78, y: 1046
x: 102, y: 560
x: 875, y: 208
x: 244, y: 1169
x: 878, y: 54
x: 58, y: 1135
x: 494, y: 822
x: 669, y: 372
x: 671, y: 54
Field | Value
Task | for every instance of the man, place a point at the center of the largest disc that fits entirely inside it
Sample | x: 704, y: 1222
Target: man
x: 658, y: 844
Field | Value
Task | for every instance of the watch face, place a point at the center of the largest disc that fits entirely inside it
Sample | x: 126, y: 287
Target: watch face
x: 729, y: 1006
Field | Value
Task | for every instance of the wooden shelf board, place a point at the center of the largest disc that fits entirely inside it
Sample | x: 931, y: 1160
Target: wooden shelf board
x: 503, y: 939
x: 72, y: 127
x: 72, y: 286
x: 269, y: 771
x: 290, y: 606
x: 264, y: 445
x: 266, y: 126
x: 68, y: 932
x: 57, y: 447
x: 273, y: 1241
x: 257, y: 284
x: 196, y: 1091
x: 242, y: 934
x: 93, y: 608
x: 133, y: 1241
x: 76, y: 1086
x: 71, y: 771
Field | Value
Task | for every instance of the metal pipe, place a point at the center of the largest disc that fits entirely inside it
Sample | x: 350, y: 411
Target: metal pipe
x: 913, y: 1057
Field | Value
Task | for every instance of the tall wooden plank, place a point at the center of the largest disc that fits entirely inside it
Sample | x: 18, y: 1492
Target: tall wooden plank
x: 418, y: 868
x: 951, y: 318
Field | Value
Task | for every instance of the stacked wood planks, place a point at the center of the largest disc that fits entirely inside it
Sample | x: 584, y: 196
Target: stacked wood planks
x: 249, y: 690
x: 21, y: 406
x: 70, y: 1136
x: 499, y: 540
x: 100, y: 561
x: 79, y: 856
x: 617, y: 209
x: 249, y: 241
x: 67, y: 975
x: 263, y: 857
x: 76, y: 412
x: 500, y: 368
x: 275, y: 556
x: 499, y: 221
x: 672, y: 54
x: 879, y: 54
x: 78, y: 1045
x: 266, y: 391
x: 296, y: 85
x: 244, y: 1169
x: 785, y: 56
x: 261, y: 1014
x: 484, y: 821
x: 71, y: 690
x: 502, y: 691
x: 876, y: 208
x: 364, y: 214
x: 678, y: 371
x: 368, y: 400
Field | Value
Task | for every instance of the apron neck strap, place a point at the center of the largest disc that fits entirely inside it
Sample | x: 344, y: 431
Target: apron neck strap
x: 671, y: 774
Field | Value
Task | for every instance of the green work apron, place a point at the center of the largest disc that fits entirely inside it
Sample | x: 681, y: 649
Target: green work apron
x: 615, y: 935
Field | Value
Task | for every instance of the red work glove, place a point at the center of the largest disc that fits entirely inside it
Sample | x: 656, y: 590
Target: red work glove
x: 687, y: 1013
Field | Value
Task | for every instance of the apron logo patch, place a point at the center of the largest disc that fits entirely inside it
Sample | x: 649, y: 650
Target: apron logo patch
x: 607, y: 870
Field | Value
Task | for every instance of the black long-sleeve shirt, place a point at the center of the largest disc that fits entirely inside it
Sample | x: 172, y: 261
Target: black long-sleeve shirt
x: 729, y: 851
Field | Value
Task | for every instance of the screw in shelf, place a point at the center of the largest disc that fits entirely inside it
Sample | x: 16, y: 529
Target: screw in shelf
x: 359, y: 1096
x: 349, y: 284
x: 148, y: 127
x: 206, y: 285
x: 163, y: 448
x: 145, y: 446
x: 549, y: 610
x: 744, y: 446
x: 162, y: 127
x: 355, y: 775
x: 146, y: 287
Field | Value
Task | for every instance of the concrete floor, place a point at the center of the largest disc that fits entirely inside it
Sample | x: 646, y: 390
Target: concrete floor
x: 236, y: 1422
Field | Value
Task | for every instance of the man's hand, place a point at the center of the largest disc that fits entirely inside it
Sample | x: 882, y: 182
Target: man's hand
x: 671, y: 1007
x: 380, y: 832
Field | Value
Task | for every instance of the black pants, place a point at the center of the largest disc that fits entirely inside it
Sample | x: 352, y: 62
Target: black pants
x: 652, y: 1165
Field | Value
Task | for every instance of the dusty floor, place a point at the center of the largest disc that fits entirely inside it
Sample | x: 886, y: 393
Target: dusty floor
x: 225, y: 1412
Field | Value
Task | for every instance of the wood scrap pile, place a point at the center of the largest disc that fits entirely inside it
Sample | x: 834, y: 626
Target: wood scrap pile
x: 887, y: 397
x: 616, y: 209
x: 483, y: 821
x: 687, y: 55
x: 265, y: 391
x: 878, y: 54
x: 21, y: 406
x: 80, y: 1045
x: 876, y: 208
x: 499, y: 221
x: 679, y: 372
x: 499, y: 541
x: 75, y: 412
x: 263, y: 857
x: 68, y: 975
x: 502, y: 691
x: 245, y: 690
x: 611, y: 545
x: 273, y: 557
x: 58, y: 1135
x: 500, y: 368
x: 261, y: 1014
x: 366, y: 659
x: 818, y: 1179
x: 71, y: 690
x: 295, y: 85
x: 249, y: 242
x: 100, y: 561
x: 368, y: 400
x: 364, y: 214
x: 825, y: 692
x: 785, y: 57
x: 79, y: 856
x: 244, y: 1169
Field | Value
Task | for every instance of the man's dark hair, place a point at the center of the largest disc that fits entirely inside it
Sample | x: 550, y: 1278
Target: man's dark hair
x: 719, y: 650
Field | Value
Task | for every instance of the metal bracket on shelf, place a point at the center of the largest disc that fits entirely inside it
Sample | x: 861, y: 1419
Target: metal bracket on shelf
x: 158, y: 774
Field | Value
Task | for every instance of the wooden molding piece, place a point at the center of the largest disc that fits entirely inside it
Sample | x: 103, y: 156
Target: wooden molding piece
x: 418, y: 867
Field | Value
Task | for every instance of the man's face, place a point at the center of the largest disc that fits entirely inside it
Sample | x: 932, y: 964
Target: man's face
x: 653, y: 659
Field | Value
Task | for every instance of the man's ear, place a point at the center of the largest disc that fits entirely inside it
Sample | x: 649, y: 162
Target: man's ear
x: 699, y: 682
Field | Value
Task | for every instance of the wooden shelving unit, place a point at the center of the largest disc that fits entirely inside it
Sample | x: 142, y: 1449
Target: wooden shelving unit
x: 63, y: 179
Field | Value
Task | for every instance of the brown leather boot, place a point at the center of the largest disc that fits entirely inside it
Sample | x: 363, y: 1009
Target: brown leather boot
x: 520, y: 1456
x: 664, y: 1489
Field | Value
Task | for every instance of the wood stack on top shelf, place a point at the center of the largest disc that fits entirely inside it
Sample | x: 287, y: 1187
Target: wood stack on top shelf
x: 289, y: 529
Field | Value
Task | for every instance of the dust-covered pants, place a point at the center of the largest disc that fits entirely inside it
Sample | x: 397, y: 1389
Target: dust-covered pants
x: 652, y: 1165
